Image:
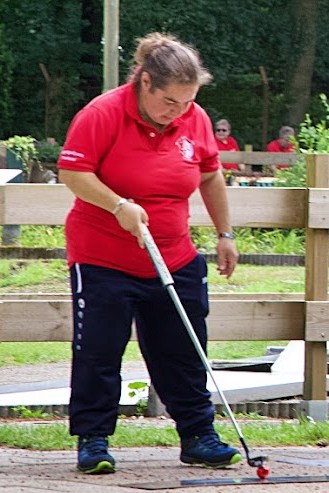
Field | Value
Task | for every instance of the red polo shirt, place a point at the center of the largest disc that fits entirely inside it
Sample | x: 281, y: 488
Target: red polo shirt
x: 229, y: 144
x: 158, y: 171
x: 275, y: 146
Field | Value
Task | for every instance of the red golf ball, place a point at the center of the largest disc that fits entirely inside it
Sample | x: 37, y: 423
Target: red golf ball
x: 263, y: 472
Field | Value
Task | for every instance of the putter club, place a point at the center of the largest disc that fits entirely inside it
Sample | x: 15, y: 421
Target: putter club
x: 168, y: 283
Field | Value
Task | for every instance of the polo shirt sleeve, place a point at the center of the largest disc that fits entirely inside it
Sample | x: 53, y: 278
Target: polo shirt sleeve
x: 88, y: 140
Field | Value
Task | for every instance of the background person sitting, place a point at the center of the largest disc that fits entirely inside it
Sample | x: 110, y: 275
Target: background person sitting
x: 225, y: 142
x: 282, y: 144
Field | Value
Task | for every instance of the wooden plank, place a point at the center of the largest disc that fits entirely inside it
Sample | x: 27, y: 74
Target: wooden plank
x: 34, y: 203
x: 212, y: 296
x: 316, y: 283
x: 317, y: 321
x: 250, y: 206
x: 257, y: 207
x: 35, y: 296
x: 259, y: 320
x: 2, y: 205
x: 318, y: 208
x: 35, y: 321
x: 51, y: 320
x: 258, y: 157
x: 255, y: 296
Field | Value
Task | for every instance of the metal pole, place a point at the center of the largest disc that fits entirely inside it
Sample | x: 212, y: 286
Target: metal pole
x: 111, y: 43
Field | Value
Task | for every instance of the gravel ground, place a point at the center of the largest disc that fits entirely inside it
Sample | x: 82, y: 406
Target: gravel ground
x: 10, y: 375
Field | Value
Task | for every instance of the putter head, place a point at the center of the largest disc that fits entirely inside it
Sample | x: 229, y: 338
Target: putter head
x: 257, y: 461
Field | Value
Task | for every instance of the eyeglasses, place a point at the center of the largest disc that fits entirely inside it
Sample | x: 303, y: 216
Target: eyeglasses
x: 221, y: 130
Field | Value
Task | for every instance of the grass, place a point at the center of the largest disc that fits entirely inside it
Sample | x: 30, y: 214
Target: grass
x: 258, y: 279
x: 36, y: 353
x: 55, y: 436
x: 52, y: 276
x: 31, y: 276
x: 42, y: 353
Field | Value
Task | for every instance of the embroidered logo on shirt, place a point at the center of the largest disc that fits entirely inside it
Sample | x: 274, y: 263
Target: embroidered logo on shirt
x: 186, y: 147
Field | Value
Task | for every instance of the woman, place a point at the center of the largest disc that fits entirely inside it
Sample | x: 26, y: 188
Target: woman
x: 133, y: 156
x: 225, y: 142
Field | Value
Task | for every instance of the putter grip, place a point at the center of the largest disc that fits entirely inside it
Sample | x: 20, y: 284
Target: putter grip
x: 156, y: 257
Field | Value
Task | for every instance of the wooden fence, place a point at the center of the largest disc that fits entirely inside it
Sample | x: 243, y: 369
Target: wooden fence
x: 48, y: 317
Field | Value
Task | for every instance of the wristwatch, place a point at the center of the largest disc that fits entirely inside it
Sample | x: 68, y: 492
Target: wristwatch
x: 230, y: 236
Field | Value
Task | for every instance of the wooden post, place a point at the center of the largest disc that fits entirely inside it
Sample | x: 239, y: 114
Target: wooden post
x: 248, y: 167
x: 316, y: 284
x: 265, y: 106
x: 47, y: 96
x: 111, y: 44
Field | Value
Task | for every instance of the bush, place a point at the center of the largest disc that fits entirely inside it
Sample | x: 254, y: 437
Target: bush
x: 48, y: 153
x: 312, y: 138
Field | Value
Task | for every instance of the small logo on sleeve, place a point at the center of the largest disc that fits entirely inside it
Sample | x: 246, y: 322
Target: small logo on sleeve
x: 68, y: 155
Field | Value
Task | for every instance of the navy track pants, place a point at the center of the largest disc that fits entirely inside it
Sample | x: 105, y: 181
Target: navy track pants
x: 105, y: 302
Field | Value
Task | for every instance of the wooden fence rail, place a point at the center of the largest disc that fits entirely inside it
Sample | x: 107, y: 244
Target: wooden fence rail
x: 48, y: 318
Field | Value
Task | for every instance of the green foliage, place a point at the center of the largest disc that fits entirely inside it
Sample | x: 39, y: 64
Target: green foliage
x: 235, y: 40
x: 42, y: 236
x: 252, y: 240
x: 137, y: 388
x: 314, y: 138
x: 294, y: 176
x: 278, y: 241
x: 204, y: 238
x: 6, y: 78
x: 41, y: 32
x: 25, y: 413
x: 24, y: 149
x: 48, y: 152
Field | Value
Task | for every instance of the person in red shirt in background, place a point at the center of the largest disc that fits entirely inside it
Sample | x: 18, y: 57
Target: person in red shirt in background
x: 132, y: 157
x: 225, y: 142
x: 282, y: 144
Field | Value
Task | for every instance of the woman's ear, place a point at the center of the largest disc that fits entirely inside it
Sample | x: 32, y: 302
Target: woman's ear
x: 145, y: 80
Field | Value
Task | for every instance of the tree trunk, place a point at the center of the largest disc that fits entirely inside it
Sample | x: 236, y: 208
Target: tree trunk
x: 298, y: 89
x: 91, y: 36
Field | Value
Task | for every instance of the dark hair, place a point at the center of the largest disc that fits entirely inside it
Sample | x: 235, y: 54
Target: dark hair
x: 168, y: 60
